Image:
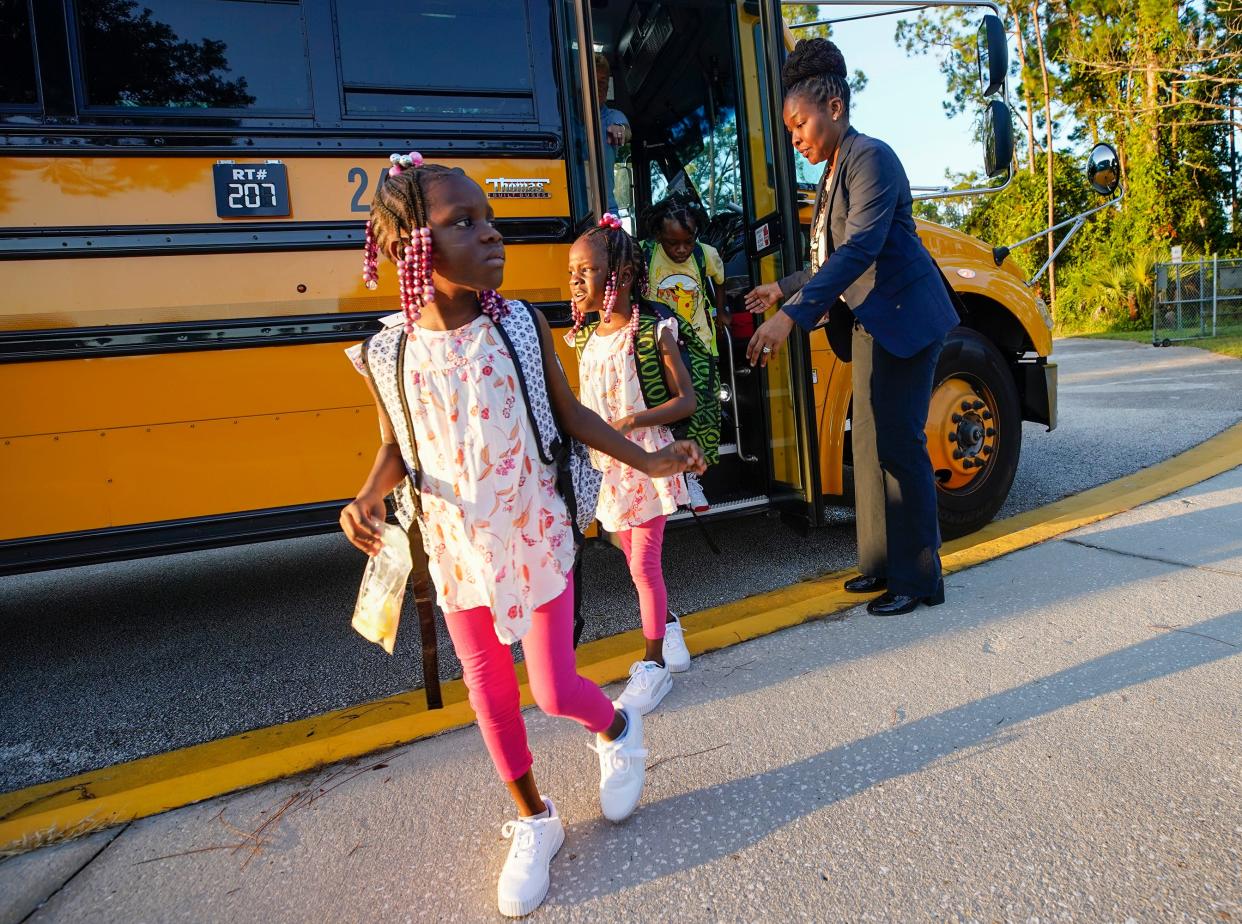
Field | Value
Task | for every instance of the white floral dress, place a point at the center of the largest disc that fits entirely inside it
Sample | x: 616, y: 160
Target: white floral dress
x: 496, y: 530
x: 610, y: 387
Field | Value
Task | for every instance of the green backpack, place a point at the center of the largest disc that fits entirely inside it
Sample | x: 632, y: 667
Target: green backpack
x: 703, y: 426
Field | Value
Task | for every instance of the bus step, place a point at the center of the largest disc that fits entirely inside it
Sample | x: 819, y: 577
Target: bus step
x: 735, y: 506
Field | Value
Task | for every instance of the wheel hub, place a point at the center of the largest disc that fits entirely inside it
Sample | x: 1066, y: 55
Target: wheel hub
x: 961, y: 433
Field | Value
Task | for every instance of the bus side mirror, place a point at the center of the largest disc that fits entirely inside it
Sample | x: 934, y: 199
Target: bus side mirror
x: 993, y: 51
x: 1103, y: 169
x: 997, y: 138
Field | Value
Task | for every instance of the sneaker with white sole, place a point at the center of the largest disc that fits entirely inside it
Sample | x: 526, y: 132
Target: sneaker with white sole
x: 698, y: 500
x: 622, y: 768
x: 524, y: 880
x: 676, y: 654
x: 649, y: 683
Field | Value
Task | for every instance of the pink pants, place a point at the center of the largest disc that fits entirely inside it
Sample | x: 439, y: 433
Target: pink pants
x: 643, y: 546
x: 487, y: 668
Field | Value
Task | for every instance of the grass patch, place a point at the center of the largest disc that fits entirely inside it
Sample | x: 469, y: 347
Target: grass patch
x: 1227, y: 342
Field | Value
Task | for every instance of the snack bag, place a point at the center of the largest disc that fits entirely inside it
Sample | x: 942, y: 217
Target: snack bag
x: 378, y: 609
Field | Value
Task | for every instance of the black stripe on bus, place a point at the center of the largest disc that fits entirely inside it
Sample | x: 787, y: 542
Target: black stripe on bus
x: 121, y: 543
x: 119, y: 136
x: 23, y: 346
x: 265, y: 237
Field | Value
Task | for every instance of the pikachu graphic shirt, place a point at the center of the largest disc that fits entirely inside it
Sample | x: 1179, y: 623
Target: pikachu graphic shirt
x: 678, y: 286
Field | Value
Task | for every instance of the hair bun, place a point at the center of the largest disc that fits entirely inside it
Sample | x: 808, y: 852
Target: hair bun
x: 810, y: 58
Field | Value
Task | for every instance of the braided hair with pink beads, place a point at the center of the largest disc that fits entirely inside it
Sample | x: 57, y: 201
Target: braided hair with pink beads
x: 399, y: 212
x: 622, y: 250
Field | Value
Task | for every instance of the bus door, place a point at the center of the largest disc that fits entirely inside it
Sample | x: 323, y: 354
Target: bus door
x: 676, y: 78
x: 776, y: 248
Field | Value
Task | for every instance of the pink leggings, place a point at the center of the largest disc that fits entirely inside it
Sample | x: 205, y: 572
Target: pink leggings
x: 643, y: 546
x: 487, y: 668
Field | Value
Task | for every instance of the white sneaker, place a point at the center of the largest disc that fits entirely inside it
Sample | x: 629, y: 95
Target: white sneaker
x: 676, y: 654
x: 622, y: 768
x: 649, y: 683
x: 524, y: 880
x: 698, y: 500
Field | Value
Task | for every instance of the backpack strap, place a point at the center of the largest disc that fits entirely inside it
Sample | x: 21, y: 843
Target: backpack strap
x: 520, y: 332
x: 378, y: 355
x: 647, y: 358
x: 709, y: 284
x: 582, y: 336
x: 383, y: 356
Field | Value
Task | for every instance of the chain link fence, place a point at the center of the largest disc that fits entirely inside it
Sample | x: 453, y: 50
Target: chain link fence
x: 1202, y: 298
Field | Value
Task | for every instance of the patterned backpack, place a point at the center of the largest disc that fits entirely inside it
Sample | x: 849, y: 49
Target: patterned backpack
x: 577, y: 481
x: 703, y: 426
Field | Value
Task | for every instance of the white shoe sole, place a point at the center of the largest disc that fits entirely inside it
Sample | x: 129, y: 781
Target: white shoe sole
x: 676, y: 667
x: 654, y: 701
x: 513, y: 908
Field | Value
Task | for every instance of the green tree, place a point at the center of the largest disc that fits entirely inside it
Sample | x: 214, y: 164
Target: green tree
x: 1160, y: 79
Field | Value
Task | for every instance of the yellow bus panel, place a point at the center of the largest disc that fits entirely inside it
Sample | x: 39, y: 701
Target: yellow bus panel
x: 44, y: 294
x: 107, y: 192
x: 114, y: 477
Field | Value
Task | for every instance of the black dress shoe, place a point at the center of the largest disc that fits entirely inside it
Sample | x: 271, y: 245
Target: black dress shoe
x: 899, y: 604
x: 865, y: 585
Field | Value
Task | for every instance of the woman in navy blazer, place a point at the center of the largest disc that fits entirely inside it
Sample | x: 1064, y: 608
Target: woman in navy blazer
x: 866, y: 258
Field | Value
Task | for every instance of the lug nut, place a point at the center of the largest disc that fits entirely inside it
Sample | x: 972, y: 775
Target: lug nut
x: 987, y: 450
x: 965, y: 405
x: 957, y: 454
x: 956, y: 418
x: 991, y: 431
x: 986, y: 415
x: 968, y: 463
x: 952, y: 437
x: 978, y: 405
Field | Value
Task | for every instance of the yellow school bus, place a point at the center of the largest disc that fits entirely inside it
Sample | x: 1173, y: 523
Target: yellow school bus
x: 183, y: 185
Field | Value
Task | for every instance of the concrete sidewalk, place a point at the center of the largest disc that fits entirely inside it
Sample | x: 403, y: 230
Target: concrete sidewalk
x: 1061, y: 740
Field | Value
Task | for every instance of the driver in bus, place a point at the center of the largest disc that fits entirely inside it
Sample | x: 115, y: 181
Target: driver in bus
x: 614, y: 127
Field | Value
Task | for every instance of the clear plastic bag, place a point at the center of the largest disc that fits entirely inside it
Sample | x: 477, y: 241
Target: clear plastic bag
x: 378, y: 609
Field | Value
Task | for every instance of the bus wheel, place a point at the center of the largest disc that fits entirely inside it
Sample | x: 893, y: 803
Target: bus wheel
x: 974, y: 432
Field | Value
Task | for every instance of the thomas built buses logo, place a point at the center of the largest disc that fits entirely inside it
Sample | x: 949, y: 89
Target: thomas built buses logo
x: 525, y: 188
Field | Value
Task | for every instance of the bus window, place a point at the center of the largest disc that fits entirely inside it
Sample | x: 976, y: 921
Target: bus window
x: 425, y: 59
x: 18, y: 85
x: 194, y: 54
x: 704, y: 162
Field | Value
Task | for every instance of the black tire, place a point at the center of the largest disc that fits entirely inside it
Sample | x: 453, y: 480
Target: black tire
x: 971, y: 356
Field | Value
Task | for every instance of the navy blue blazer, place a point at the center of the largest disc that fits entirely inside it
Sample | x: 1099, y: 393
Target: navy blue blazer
x: 877, y: 265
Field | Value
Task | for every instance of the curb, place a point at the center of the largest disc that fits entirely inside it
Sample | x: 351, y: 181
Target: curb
x: 150, y: 785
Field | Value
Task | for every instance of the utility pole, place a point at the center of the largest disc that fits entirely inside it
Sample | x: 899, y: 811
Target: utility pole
x: 1043, y: 67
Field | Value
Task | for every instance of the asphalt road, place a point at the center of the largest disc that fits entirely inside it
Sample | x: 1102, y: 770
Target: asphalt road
x: 113, y: 662
x: 1059, y: 742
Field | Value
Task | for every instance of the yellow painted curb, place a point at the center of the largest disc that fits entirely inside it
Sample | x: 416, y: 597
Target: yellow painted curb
x: 155, y: 784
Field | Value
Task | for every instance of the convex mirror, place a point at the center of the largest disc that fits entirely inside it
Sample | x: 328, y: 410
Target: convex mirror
x: 1103, y: 169
x: 997, y: 138
x: 992, y: 46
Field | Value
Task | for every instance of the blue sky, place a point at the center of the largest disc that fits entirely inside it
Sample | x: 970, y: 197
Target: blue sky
x: 901, y: 104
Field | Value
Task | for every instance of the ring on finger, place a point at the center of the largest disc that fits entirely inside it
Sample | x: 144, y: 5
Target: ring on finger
x: 767, y: 349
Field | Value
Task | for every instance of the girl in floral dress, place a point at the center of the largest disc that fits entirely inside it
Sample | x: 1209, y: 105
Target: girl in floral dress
x: 607, y: 273
x: 497, y: 533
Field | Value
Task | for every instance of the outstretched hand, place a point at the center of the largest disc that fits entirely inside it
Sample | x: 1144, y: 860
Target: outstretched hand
x: 762, y: 297
x: 768, y: 338
x: 675, y: 458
